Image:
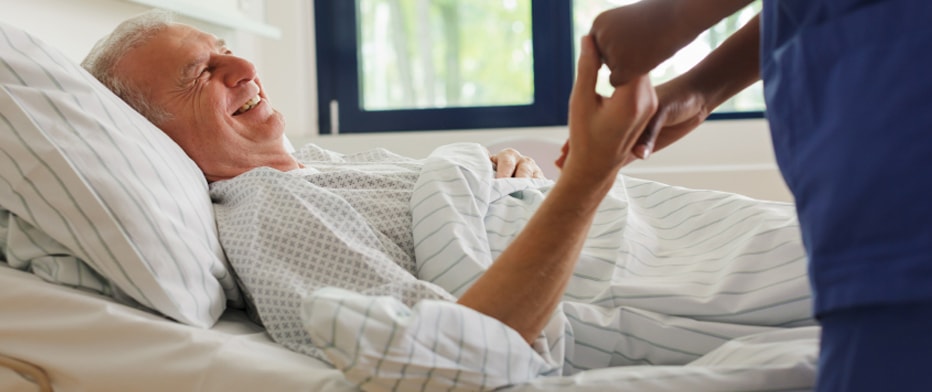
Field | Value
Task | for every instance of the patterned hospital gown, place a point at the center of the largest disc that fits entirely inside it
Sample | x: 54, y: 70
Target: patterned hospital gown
x: 667, y: 274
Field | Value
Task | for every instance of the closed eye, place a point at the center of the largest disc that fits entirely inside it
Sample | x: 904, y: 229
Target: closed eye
x: 196, y: 78
x: 204, y: 74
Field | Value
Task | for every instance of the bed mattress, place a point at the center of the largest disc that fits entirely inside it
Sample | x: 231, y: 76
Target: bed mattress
x: 85, y: 342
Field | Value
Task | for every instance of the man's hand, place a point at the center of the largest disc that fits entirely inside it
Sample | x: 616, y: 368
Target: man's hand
x: 510, y: 163
x: 603, y: 130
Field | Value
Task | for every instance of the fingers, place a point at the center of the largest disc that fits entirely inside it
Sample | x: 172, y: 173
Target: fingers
x: 587, y: 70
x: 564, y: 152
x: 605, y: 129
x: 504, y: 163
x: 635, y: 101
x: 510, y: 163
x: 505, y: 168
x: 526, y: 169
x: 645, y: 143
x: 620, y: 76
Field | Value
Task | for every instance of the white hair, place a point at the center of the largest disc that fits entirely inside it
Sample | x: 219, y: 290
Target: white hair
x: 106, y: 53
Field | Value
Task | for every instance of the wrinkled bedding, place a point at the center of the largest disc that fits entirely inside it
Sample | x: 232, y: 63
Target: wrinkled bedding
x: 357, y: 260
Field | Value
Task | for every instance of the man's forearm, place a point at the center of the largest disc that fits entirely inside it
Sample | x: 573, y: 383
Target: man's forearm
x: 526, y: 282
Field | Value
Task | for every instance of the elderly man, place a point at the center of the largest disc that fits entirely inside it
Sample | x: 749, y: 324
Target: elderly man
x: 577, y: 268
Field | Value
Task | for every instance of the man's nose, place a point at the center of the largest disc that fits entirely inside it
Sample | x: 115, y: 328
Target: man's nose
x: 237, y: 70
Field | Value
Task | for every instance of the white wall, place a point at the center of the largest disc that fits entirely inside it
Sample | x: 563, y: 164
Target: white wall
x: 73, y: 26
x: 728, y: 155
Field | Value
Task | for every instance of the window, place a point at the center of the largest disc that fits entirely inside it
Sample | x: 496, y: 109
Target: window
x: 390, y: 65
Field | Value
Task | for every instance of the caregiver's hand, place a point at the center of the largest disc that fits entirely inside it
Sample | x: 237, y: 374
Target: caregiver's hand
x: 680, y: 109
x: 687, y: 100
x: 634, y: 39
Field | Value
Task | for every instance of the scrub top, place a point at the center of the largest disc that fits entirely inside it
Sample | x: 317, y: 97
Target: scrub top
x: 848, y: 87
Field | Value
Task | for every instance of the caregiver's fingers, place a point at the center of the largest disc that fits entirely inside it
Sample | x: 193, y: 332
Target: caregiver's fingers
x: 645, y: 143
x: 564, y: 151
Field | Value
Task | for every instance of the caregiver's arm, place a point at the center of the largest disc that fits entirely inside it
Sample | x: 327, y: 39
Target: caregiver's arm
x: 634, y: 39
x: 525, y: 284
x: 685, y: 101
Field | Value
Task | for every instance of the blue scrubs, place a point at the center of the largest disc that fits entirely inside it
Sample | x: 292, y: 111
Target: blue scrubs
x: 848, y: 85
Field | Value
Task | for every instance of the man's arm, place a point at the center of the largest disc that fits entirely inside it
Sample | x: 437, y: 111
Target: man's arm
x: 526, y: 282
x: 634, y: 39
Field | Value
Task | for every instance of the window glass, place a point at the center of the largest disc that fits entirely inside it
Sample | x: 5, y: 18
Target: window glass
x: 403, y: 65
x: 417, y: 54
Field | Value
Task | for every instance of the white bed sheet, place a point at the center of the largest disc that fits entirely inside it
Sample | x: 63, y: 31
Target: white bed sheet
x: 85, y: 342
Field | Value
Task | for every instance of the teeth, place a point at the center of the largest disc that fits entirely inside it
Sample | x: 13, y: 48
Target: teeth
x: 249, y: 105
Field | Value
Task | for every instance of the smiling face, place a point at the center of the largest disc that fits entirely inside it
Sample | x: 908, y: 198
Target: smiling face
x: 218, y: 111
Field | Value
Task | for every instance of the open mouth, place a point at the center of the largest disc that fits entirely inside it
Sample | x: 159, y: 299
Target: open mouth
x: 248, y: 105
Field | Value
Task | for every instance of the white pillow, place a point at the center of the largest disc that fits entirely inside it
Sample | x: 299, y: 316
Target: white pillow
x: 94, y: 176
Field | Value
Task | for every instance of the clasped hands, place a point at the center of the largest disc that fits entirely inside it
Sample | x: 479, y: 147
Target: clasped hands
x: 604, y: 129
x: 631, y: 41
x: 638, y: 118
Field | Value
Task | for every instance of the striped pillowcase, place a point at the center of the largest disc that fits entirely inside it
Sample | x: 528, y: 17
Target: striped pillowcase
x: 88, y: 181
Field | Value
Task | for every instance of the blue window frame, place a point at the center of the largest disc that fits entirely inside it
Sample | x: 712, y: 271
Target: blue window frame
x: 340, y: 100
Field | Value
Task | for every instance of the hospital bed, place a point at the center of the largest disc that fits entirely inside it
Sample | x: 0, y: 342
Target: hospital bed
x: 64, y: 339
x: 127, y: 287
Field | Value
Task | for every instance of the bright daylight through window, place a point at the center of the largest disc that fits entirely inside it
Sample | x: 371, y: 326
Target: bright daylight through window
x: 458, y: 64
x: 445, y: 53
